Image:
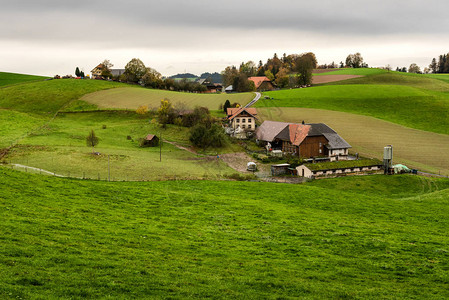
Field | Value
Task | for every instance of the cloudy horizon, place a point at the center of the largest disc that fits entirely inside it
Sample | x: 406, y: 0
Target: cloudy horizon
x: 51, y: 37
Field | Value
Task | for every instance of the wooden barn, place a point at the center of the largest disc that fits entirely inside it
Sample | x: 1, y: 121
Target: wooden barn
x: 262, y: 83
x: 150, y: 140
x: 304, y: 140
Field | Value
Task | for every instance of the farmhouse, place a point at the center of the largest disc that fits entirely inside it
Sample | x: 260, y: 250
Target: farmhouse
x: 340, y: 168
x: 243, y: 118
x: 262, y: 83
x: 96, y: 72
x: 304, y: 140
x: 211, y: 87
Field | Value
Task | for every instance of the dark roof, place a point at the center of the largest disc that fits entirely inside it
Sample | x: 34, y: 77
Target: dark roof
x: 335, y: 141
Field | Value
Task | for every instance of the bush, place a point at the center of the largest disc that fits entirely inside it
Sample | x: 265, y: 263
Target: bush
x: 104, y: 126
x: 204, y: 137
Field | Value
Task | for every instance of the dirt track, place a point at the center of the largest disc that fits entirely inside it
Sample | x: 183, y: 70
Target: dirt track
x: 331, y: 78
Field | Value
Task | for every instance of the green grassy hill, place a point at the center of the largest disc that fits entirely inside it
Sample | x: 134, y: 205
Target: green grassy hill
x: 414, y: 101
x: 344, y: 238
x: 132, y: 98
x: 60, y: 147
x: 350, y: 71
x: 405, y: 105
x: 44, y: 98
x: 14, y: 78
x: 25, y: 107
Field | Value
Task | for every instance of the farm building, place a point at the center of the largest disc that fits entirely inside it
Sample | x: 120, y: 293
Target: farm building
x: 304, y: 140
x: 340, y: 168
x: 245, y: 118
x: 262, y: 83
x: 211, y: 87
x: 150, y: 141
x: 96, y: 72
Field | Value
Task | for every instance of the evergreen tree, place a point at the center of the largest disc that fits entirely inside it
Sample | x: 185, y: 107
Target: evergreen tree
x: 226, y: 106
x: 433, y: 65
x: 77, y: 72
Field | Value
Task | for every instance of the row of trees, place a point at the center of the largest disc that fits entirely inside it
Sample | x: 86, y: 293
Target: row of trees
x: 279, y: 70
x: 79, y: 73
x: 442, y: 66
x: 137, y: 72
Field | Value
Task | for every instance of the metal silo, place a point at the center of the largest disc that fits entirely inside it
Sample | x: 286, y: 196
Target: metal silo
x: 388, y: 158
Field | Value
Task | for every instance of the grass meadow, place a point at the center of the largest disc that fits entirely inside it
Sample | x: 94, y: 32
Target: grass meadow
x: 356, y: 238
x: 132, y: 98
x: 46, y: 98
x: 397, y: 101
x: 350, y: 71
x: 14, y: 78
x: 419, y: 149
x: 61, y: 148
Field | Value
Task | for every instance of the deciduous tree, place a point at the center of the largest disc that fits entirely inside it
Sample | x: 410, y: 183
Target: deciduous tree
x: 134, y: 70
x: 92, y: 140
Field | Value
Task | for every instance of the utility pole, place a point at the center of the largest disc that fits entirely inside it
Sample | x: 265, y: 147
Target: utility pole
x: 109, y: 169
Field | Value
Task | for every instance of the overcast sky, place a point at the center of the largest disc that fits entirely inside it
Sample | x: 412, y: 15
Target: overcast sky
x: 49, y: 37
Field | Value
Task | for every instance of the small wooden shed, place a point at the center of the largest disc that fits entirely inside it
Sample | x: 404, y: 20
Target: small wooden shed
x: 150, y: 140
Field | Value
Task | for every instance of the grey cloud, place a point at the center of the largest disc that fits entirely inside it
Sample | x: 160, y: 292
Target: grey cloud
x: 341, y: 17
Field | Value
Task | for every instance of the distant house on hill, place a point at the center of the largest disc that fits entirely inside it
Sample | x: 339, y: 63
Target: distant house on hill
x: 211, y: 87
x: 262, y: 83
x: 96, y: 72
x: 304, y: 140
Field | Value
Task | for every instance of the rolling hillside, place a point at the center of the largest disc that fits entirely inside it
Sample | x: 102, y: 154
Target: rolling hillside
x: 132, y: 98
x: 14, y: 78
x: 365, y: 237
x: 27, y: 106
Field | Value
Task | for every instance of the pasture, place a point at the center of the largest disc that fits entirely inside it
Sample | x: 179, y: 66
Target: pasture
x: 359, y: 238
x: 14, y: 78
x: 60, y: 148
x: 405, y: 105
x: 15, y: 125
x: 132, y: 98
x: 351, y: 71
x: 419, y: 149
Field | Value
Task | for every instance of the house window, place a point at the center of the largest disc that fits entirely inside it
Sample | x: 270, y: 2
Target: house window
x: 237, y: 120
x: 249, y: 120
x: 320, y: 146
x: 249, y: 126
x: 243, y: 126
x: 320, y: 150
x: 243, y: 120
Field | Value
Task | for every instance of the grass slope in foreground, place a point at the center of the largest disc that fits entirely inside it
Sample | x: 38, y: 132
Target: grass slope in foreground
x: 409, y: 106
x: 14, y: 78
x: 132, y: 98
x: 70, y: 238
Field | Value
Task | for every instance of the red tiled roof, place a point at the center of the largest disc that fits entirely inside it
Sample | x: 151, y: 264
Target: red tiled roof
x: 298, y: 133
x: 258, y: 80
x: 234, y: 112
